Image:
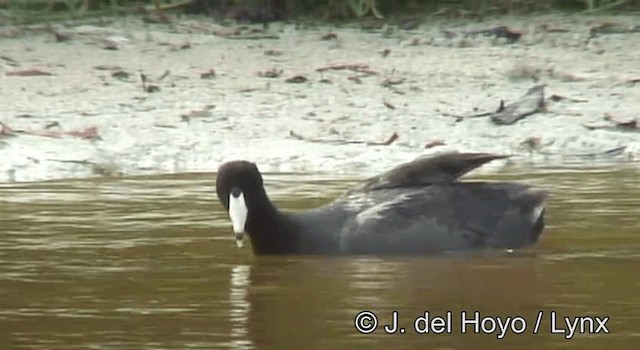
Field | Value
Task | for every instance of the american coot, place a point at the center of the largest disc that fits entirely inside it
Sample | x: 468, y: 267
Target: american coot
x: 416, y: 208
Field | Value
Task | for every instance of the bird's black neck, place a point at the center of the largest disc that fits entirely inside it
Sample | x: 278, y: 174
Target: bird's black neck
x: 270, y: 230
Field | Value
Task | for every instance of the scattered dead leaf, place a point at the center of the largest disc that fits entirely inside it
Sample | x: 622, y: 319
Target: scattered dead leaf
x: 208, y: 75
x: 629, y: 123
x: 181, y: 46
x: 109, y: 44
x: 632, y: 81
x: 357, y: 67
x: 391, y: 81
x: 226, y: 32
x: 5, y: 130
x: 613, y: 28
x: 434, y: 144
x: 164, y: 126
x: 150, y: 88
x: 558, y: 98
x: 297, y: 79
x: 62, y: 36
x: 273, y: 52
x: 253, y: 37
x: 53, y: 124
x: 200, y: 113
x: 499, y: 32
x: 533, y: 142
x: 10, y: 61
x: 26, y: 116
x: 387, y: 142
x: 31, y: 72
x: 120, y: 74
x: 249, y: 89
x: 87, y: 134
x: 107, y: 67
x: 164, y: 75
x: 393, y: 138
x: 329, y: 36
x: 270, y: 73
x: 159, y: 17
x: 613, y: 152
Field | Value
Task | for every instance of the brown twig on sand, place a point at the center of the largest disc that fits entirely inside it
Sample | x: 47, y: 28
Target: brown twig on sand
x: 633, y: 81
x: 393, y: 138
x: 200, y: 113
x: 31, y: 72
x: 273, y: 52
x: 5, y: 130
x: 226, y: 32
x: 535, y: 144
x: 208, y: 75
x: 389, y: 141
x: 329, y: 36
x: 356, y: 67
x: 270, y: 73
x: 434, y: 144
x: 388, y: 82
x: 252, y: 37
x: 499, y: 32
x: 10, y: 61
x: 148, y: 87
x: 87, y: 133
x: 530, y: 103
x: 629, y: 82
x: 558, y: 98
x: 618, y: 124
x: 613, y: 152
x: 471, y: 116
x: 296, y: 79
x: 388, y: 105
x: 164, y: 75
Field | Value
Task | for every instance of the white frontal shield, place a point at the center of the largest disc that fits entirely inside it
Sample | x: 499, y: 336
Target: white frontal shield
x: 238, y: 213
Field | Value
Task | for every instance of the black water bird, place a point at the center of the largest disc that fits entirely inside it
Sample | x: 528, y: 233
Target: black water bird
x: 419, y: 207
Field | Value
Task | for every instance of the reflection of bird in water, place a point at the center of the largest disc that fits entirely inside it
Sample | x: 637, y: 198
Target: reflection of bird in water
x: 239, y: 307
x: 311, y: 302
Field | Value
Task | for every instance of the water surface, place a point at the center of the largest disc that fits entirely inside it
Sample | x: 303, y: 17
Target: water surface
x: 150, y: 262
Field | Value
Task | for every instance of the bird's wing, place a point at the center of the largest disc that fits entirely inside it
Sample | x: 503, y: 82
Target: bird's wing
x: 442, y: 168
x: 443, y: 217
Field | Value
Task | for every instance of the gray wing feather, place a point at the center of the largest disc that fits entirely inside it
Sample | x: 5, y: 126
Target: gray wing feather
x: 442, y: 168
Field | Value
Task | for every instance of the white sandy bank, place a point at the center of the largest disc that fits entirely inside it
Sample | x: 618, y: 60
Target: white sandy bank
x: 251, y: 117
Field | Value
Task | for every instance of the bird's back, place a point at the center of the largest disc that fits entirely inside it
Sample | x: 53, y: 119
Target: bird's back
x: 422, y: 207
x: 441, y: 217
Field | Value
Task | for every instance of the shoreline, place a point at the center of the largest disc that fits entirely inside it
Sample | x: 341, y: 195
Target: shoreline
x: 194, y: 122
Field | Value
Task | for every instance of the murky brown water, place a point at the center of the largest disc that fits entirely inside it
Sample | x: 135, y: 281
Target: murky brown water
x: 151, y: 263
